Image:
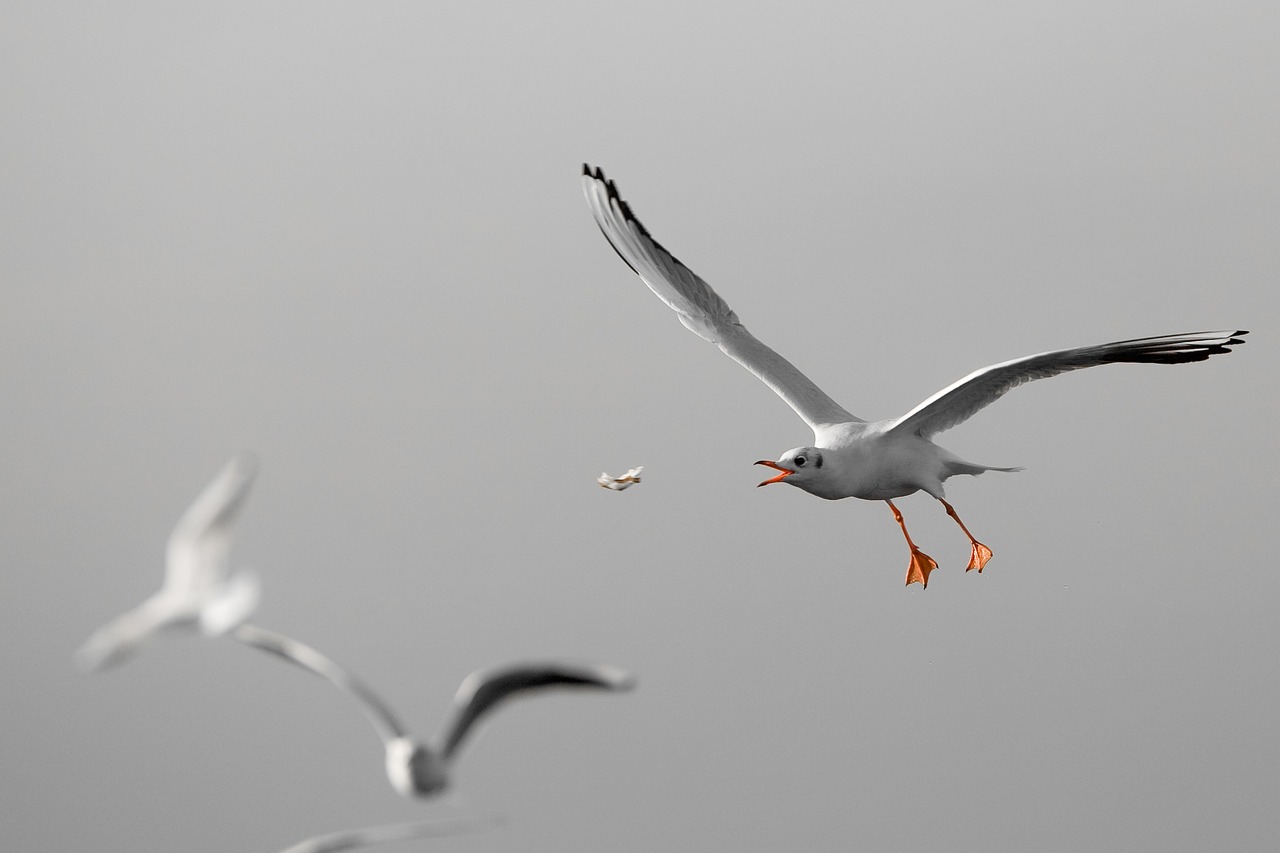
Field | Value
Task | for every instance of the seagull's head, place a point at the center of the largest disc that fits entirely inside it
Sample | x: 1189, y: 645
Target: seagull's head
x: 799, y: 467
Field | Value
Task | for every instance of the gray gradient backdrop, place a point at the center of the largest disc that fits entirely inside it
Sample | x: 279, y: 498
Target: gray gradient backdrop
x: 350, y: 237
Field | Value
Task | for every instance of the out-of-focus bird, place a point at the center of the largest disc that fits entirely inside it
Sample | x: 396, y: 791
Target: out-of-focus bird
x: 422, y: 769
x: 199, y: 592
x: 852, y: 457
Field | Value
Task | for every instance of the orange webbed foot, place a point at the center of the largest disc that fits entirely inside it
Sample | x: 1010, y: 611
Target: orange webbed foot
x: 981, y: 553
x: 921, y: 565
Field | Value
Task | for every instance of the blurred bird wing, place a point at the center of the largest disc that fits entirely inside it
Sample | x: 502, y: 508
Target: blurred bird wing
x: 196, y: 558
x: 305, y: 657
x: 353, y: 839
x: 123, y: 636
x: 483, y: 690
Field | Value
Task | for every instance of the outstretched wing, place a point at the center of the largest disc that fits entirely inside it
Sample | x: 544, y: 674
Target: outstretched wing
x: 121, y: 638
x: 959, y: 401
x: 699, y: 307
x: 482, y: 691
x: 305, y: 657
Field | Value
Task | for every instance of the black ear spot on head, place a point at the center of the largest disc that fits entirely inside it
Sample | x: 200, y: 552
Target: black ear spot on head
x: 817, y: 460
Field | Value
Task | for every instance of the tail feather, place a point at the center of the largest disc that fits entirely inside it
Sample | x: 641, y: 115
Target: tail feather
x: 956, y: 465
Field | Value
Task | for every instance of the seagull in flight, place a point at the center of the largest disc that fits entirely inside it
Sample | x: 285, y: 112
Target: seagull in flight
x: 850, y: 456
x: 422, y: 769
x: 199, y: 590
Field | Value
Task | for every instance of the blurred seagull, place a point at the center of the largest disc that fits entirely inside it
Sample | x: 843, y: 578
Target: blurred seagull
x: 617, y: 484
x: 851, y: 457
x: 199, y: 590
x: 422, y: 770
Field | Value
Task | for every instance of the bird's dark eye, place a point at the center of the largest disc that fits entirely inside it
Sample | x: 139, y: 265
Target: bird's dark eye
x: 800, y: 461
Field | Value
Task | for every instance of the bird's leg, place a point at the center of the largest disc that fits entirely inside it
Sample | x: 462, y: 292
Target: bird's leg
x: 921, y: 563
x: 981, y: 553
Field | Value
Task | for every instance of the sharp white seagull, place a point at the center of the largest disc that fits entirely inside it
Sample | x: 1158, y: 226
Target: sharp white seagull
x: 422, y: 769
x: 852, y: 457
x: 199, y: 590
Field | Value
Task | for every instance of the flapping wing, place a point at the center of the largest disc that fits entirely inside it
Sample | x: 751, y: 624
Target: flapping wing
x: 482, y: 691
x: 959, y: 401
x: 198, y: 548
x: 305, y: 657
x: 699, y: 307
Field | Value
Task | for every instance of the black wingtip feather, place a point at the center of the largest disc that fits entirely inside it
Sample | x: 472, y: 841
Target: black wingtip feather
x: 1165, y: 351
x: 611, y: 193
x: 618, y: 252
x: 614, y: 197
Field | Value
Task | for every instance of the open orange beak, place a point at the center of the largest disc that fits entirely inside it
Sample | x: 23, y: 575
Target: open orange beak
x: 786, y: 472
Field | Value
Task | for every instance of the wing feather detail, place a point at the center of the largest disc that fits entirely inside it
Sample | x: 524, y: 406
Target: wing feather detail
x: 961, y: 400
x: 700, y: 308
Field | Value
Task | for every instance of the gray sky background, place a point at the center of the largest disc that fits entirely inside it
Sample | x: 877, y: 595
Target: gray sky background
x: 351, y: 238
